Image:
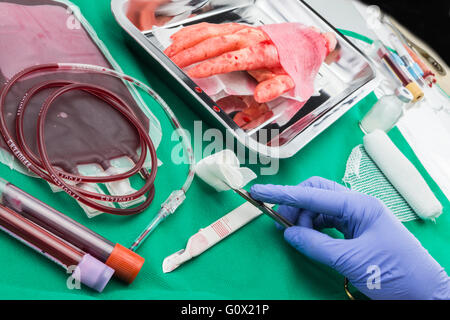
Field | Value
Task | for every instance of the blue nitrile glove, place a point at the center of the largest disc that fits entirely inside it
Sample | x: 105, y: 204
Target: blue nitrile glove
x: 379, y: 255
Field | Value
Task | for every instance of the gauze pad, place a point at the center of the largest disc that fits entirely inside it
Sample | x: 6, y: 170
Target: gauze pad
x: 363, y: 175
x: 301, y: 50
x: 402, y: 175
x: 222, y: 171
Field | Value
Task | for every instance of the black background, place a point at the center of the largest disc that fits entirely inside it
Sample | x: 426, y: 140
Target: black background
x: 427, y: 19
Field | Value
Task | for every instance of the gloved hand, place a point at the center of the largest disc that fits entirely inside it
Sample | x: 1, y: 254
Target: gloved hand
x: 379, y: 255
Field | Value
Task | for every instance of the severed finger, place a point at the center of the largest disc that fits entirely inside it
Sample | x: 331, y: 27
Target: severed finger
x: 260, y: 56
x: 273, y: 88
x: 192, y: 35
x: 216, y: 46
x: 266, y: 74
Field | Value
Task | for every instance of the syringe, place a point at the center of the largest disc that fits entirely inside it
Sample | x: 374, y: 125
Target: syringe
x: 87, y: 269
x: 125, y: 262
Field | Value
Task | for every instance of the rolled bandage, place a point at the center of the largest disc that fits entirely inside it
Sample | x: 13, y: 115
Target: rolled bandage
x: 209, y: 236
x: 222, y: 171
x: 402, y: 175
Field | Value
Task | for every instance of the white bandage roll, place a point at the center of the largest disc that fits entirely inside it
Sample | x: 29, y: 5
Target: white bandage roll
x: 402, y: 174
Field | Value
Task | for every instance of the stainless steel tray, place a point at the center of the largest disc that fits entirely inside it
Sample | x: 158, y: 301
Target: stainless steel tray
x: 343, y: 83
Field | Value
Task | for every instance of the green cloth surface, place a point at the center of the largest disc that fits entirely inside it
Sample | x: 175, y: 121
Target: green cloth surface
x: 254, y: 263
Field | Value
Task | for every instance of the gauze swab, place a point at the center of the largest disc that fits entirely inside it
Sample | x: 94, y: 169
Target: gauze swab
x: 222, y: 171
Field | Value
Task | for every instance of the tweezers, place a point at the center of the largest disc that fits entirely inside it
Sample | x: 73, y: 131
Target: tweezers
x: 264, y: 208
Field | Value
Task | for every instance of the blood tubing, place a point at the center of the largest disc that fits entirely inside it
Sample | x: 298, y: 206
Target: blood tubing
x: 43, y: 167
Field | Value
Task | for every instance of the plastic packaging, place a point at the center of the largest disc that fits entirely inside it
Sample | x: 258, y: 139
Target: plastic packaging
x: 44, y: 38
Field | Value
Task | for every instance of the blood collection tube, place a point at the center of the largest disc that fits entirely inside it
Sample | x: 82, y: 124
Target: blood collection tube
x: 125, y: 262
x: 409, y: 84
x: 91, y: 272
